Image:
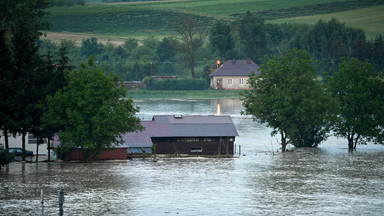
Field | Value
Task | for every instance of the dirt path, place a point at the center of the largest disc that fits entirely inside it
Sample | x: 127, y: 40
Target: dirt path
x: 57, y: 37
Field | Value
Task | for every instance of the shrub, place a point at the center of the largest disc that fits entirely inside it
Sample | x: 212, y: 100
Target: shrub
x: 178, y: 84
x: 5, y: 157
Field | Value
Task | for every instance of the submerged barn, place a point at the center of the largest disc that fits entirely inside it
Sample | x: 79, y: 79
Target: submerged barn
x: 191, y: 135
x: 171, y: 135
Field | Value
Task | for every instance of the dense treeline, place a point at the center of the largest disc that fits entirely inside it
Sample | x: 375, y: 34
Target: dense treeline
x: 68, y: 3
x: 135, y: 60
x: 327, y: 42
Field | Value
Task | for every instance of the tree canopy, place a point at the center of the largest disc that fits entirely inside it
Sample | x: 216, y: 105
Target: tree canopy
x: 192, y: 34
x: 91, y: 111
x: 359, y: 88
x: 22, y: 70
x: 287, y: 97
x: 253, y: 34
x: 220, y: 39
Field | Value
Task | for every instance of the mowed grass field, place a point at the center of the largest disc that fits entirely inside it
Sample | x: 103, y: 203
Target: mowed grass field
x: 226, y: 8
x: 117, y: 21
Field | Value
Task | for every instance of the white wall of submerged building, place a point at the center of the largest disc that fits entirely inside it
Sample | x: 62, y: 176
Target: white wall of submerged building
x: 30, y: 144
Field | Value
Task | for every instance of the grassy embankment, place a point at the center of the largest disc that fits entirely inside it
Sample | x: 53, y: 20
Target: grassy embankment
x: 116, y: 22
x: 198, y: 94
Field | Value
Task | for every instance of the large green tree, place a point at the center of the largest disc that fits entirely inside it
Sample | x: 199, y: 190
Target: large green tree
x: 220, y: 38
x: 192, y: 34
x: 253, y: 35
x: 360, y: 91
x: 91, y: 111
x: 21, y: 21
x: 286, y: 96
x: 6, y: 89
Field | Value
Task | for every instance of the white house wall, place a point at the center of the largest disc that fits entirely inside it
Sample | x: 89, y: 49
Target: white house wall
x: 16, y: 142
x: 227, y: 84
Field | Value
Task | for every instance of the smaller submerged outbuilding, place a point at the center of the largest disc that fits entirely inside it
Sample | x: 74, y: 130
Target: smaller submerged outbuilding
x: 184, y: 135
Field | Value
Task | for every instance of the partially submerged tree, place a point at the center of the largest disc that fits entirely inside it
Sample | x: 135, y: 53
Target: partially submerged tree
x: 91, y: 111
x: 360, y: 91
x: 287, y: 97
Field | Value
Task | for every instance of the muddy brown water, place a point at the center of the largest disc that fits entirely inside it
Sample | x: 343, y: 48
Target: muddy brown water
x: 261, y: 181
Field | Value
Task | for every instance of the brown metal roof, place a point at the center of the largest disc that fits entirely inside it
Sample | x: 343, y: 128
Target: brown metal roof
x: 193, y: 119
x: 237, y: 68
x: 181, y: 126
x: 143, y: 138
x: 198, y: 125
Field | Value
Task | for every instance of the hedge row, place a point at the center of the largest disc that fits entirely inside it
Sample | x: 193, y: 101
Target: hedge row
x: 178, y: 84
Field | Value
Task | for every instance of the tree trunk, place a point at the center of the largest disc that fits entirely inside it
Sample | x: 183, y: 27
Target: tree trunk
x: 356, y: 141
x: 283, y: 141
x: 49, y: 148
x: 37, y: 148
x: 192, y: 62
x: 193, y: 70
x: 350, y: 144
x: 5, y: 133
x: 23, y: 134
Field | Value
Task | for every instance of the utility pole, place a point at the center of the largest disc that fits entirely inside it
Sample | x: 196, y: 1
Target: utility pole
x: 61, y: 202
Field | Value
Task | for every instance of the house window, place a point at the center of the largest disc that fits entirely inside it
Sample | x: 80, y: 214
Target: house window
x: 229, y: 81
x: 241, y: 81
x: 196, y: 150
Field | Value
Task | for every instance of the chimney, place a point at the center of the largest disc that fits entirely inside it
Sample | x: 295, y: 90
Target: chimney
x: 233, y: 61
x: 248, y: 61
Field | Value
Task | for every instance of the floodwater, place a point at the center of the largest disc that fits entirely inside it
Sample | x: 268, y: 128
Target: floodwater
x: 260, y: 181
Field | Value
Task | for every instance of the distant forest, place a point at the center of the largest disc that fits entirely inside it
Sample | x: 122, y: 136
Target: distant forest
x: 249, y: 37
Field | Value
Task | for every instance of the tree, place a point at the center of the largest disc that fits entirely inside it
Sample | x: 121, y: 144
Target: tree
x: 378, y: 52
x: 5, y: 157
x: 252, y: 32
x: 130, y: 44
x: 165, y: 51
x: 91, y: 111
x: 54, y: 81
x: 90, y: 46
x: 330, y: 41
x: 221, y: 39
x: 193, y: 35
x: 359, y: 89
x: 6, y: 84
x: 286, y: 96
x: 21, y: 22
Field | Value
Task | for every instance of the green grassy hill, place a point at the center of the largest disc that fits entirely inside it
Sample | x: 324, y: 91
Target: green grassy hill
x: 137, y: 19
x: 115, y: 20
